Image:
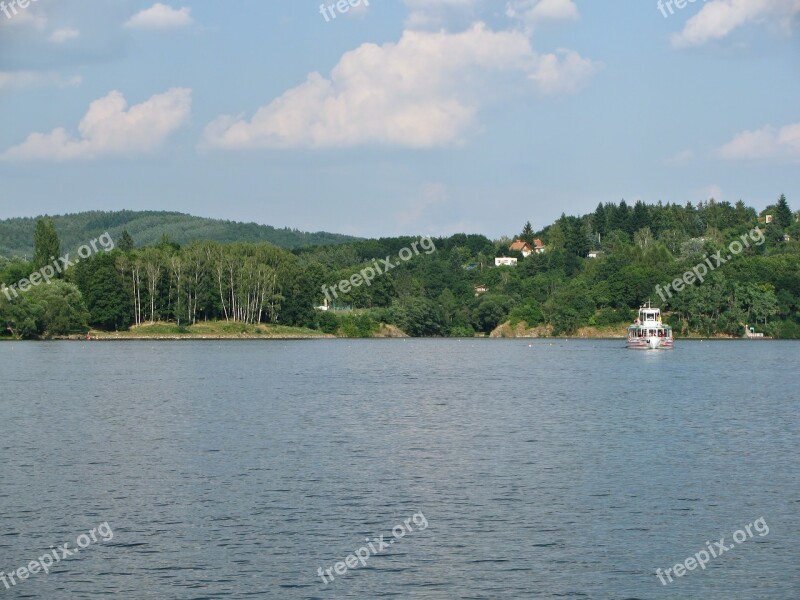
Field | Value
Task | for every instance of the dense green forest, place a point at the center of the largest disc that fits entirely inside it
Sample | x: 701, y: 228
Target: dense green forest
x: 596, y: 270
x: 149, y: 227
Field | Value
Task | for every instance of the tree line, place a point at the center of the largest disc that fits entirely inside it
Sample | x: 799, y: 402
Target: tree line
x: 455, y: 291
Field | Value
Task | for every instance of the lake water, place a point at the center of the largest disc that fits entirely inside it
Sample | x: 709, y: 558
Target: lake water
x: 543, y: 469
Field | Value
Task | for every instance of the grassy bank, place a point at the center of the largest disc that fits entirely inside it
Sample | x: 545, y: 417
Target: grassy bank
x: 208, y: 330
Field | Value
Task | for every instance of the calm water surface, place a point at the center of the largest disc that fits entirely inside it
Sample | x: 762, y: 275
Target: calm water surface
x: 559, y: 469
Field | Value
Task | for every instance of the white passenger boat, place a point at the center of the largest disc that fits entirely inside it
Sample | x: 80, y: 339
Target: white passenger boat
x: 648, y: 332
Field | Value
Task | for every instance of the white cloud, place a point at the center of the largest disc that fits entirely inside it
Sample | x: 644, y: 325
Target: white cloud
x: 26, y: 79
x: 719, y: 18
x: 533, y: 12
x: 161, y: 16
x: 563, y: 72
x: 422, y: 91
x: 109, y: 129
x: 768, y: 143
x: 62, y: 35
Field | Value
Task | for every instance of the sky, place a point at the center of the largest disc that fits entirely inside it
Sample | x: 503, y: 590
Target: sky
x: 396, y: 117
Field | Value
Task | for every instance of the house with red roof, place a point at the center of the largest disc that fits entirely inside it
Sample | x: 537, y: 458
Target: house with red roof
x: 526, y: 249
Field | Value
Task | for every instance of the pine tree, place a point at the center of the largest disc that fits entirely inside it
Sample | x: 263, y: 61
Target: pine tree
x: 46, y: 245
x: 639, y: 217
x: 783, y: 214
x: 126, y: 243
x: 618, y: 217
x: 527, y: 233
x: 599, y: 220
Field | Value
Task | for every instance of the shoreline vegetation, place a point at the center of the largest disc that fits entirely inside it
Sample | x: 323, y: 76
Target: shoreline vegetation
x: 162, y: 331
x: 214, y: 330
x: 716, y: 270
x: 204, y: 331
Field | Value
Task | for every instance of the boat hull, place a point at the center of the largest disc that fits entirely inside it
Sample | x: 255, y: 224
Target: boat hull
x: 650, y: 343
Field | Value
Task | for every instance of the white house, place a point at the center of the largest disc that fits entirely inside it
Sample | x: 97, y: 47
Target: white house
x: 505, y: 261
x: 521, y: 246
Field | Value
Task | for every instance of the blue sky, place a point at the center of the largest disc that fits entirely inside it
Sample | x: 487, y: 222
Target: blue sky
x: 400, y: 116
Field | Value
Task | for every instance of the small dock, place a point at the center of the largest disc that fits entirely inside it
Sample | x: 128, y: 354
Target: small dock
x: 750, y: 334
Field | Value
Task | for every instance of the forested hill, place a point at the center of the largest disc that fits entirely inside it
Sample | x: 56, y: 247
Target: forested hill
x: 714, y: 269
x: 149, y: 227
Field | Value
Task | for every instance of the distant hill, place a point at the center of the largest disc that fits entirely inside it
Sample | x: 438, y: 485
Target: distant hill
x: 148, y: 227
